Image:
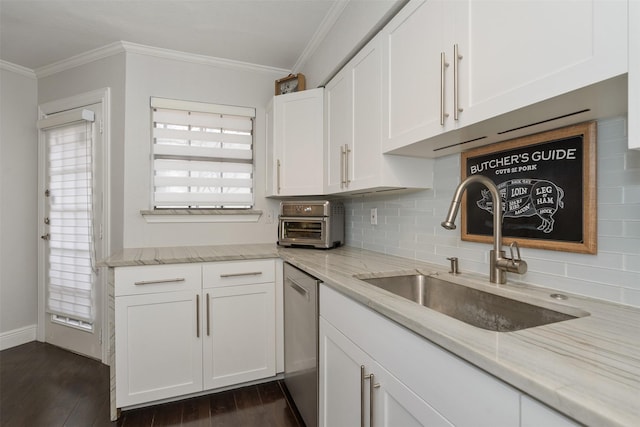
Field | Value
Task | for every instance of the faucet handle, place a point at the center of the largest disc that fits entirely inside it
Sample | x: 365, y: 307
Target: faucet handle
x: 518, y: 265
x: 514, y: 243
x: 454, y: 265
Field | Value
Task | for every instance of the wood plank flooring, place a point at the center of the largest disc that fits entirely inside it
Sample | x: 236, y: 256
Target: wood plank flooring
x: 42, y: 385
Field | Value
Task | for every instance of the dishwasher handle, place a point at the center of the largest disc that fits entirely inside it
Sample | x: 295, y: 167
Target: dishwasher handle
x: 298, y: 288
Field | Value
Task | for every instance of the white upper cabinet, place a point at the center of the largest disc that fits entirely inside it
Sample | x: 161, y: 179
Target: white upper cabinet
x: 450, y: 65
x: 295, y: 144
x: 354, y: 161
x: 519, y: 53
x: 634, y: 74
x: 411, y: 78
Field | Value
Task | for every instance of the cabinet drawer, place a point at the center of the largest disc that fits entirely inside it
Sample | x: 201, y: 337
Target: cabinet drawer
x: 157, y: 278
x: 217, y: 274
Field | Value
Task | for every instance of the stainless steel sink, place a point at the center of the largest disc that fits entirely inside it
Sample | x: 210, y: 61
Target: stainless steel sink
x: 478, y: 308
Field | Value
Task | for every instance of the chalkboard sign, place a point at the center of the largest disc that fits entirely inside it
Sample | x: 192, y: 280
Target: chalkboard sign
x: 548, y: 186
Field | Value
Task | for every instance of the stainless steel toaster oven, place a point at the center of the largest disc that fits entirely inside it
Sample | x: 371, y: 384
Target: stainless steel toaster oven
x: 317, y: 224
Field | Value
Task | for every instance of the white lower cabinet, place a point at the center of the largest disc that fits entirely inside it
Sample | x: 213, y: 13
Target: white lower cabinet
x: 535, y: 414
x: 239, y: 343
x: 415, y: 382
x: 158, y: 352
x: 181, y: 329
x: 355, y: 390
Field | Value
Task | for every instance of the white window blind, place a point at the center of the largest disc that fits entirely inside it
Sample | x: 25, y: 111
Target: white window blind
x: 71, y: 271
x: 202, y: 155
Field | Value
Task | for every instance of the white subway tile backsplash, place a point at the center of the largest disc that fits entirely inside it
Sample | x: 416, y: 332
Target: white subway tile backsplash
x: 409, y: 226
x: 631, y: 194
x: 610, y: 195
x: 610, y: 228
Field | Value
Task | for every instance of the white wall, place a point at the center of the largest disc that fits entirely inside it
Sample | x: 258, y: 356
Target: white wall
x: 18, y: 207
x: 409, y: 226
x: 148, y: 76
x: 106, y: 72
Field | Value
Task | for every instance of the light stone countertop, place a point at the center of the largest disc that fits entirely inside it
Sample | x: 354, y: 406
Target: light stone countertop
x: 587, y: 368
x: 184, y: 254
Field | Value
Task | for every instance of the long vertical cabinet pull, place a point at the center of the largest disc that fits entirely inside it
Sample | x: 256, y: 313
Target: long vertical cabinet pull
x: 372, y: 385
x: 456, y: 77
x: 343, y: 160
x: 443, y: 66
x: 197, y: 316
x: 362, y: 378
x: 278, y: 176
x: 208, y: 317
x: 347, y: 150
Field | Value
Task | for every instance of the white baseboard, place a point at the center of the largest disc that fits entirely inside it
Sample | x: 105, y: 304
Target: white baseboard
x: 18, y: 336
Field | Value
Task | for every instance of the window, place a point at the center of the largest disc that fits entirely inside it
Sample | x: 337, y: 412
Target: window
x: 202, y: 155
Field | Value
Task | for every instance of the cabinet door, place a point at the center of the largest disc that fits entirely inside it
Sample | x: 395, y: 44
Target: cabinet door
x: 349, y: 398
x: 634, y: 75
x: 366, y: 151
x: 339, y: 129
x: 298, y: 143
x: 395, y: 405
x: 522, y: 52
x: 343, y: 396
x: 159, y: 351
x: 411, y: 74
x: 239, y: 334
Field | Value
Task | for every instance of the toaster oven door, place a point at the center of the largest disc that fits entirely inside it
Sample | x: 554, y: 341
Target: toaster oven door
x: 303, y: 231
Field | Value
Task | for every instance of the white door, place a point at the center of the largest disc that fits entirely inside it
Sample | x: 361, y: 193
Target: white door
x: 72, y: 143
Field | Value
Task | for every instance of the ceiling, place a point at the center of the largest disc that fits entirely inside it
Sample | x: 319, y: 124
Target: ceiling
x: 271, y: 33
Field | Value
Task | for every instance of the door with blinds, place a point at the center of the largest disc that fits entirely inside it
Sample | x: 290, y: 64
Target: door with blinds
x: 72, y: 223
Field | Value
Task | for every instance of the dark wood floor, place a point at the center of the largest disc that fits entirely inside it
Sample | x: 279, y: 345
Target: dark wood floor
x: 42, y: 385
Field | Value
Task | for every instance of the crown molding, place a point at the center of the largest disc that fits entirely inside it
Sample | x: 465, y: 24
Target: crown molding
x: 325, y: 27
x: 18, y: 69
x: 139, y: 49
x: 200, y: 59
x: 80, y: 59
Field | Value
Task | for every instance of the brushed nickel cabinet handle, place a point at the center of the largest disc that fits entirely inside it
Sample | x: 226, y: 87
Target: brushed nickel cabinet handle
x: 208, y: 317
x: 251, y: 273
x: 362, y: 378
x: 197, y: 316
x: 443, y: 66
x: 456, y: 80
x: 347, y: 150
x: 372, y: 386
x: 342, y: 163
x: 278, y: 176
x: 159, y: 281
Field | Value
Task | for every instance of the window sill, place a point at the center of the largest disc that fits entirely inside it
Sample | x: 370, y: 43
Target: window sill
x: 201, y: 215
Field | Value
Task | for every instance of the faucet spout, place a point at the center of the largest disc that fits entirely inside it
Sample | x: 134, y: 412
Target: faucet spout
x: 496, y: 274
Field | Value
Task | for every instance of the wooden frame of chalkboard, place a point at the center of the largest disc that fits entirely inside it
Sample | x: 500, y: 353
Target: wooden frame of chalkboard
x: 548, y: 186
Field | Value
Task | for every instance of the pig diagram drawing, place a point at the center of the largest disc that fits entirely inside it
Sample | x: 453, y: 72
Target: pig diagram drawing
x: 525, y: 198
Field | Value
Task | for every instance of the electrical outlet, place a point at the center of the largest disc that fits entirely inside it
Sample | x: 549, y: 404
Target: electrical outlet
x: 269, y: 217
x: 374, y: 216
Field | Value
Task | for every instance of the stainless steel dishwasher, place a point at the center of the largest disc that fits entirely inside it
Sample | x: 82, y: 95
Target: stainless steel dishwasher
x: 301, y: 341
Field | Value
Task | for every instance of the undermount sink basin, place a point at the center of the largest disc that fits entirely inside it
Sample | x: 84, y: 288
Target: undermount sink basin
x: 478, y: 308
